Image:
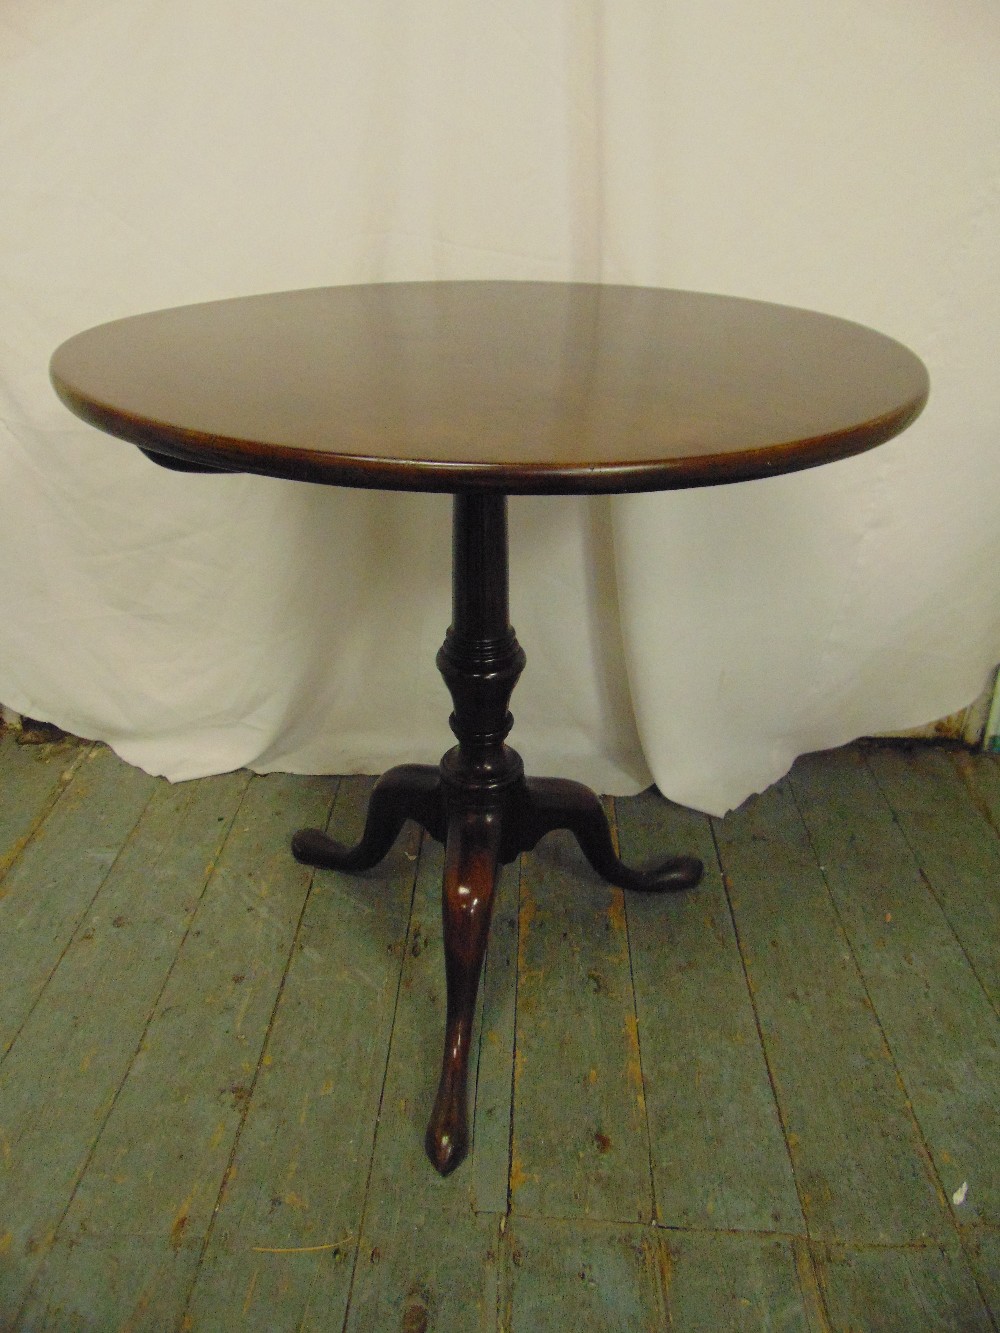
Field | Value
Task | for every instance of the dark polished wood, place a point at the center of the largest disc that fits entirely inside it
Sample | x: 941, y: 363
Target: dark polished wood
x: 486, y: 389
x: 512, y: 386
x: 478, y: 801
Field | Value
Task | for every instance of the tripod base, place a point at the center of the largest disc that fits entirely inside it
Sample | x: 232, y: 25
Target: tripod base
x: 481, y: 831
x: 478, y: 801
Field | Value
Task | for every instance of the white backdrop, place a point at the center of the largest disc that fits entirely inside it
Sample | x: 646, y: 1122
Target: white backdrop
x: 844, y: 158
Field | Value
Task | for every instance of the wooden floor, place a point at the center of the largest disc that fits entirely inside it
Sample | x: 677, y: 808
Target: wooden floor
x: 771, y: 1103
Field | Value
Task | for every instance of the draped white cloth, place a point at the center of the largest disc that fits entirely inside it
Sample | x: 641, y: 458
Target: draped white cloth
x: 841, y: 157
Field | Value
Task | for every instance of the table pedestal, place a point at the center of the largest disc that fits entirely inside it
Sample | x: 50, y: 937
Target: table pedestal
x: 477, y: 802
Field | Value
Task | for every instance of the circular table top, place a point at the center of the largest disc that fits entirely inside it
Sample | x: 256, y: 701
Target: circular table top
x: 521, y: 387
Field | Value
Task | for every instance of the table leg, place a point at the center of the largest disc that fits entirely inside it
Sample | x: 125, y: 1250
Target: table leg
x: 478, y: 803
x: 411, y: 791
x: 471, y: 863
x: 557, y: 803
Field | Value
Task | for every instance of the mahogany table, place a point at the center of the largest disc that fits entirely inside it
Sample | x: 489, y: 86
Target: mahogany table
x: 486, y: 389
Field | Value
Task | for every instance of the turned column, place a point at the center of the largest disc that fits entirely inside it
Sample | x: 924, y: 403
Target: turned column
x: 480, y: 658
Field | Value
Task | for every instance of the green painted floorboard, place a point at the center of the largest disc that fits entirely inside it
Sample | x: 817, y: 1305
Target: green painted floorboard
x: 927, y: 1288
x: 954, y: 841
x: 32, y: 778
x: 585, y: 1276
x: 218, y: 1066
x: 940, y: 1026
x: 155, y: 1173
x: 63, y: 1074
x: 719, y: 1155
x: 860, y: 1163
x: 283, y: 1240
x: 983, y: 1251
x: 580, y: 1140
x: 739, y: 1283
x: 50, y: 887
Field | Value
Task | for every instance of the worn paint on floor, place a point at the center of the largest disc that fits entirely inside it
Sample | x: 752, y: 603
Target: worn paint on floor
x: 773, y: 1102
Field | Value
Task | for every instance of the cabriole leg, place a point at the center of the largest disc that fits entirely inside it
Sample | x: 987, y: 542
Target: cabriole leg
x: 470, y: 871
x: 558, y: 803
x: 410, y: 791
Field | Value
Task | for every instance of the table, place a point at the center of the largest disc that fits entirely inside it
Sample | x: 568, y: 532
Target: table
x: 486, y: 389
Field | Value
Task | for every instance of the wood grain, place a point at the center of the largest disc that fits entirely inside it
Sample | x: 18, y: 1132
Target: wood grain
x: 64, y: 1073
x: 511, y: 386
x: 739, y: 1283
x: 860, y: 1163
x: 578, y: 1275
x: 580, y: 1146
x: 155, y: 1172
x: 943, y: 1033
x: 872, y: 1032
x: 32, y: 778
x: 983, y: 1251
x: 50, y: 887
x: 284, y: 1236
x: 955, y: 841
x: 719, y: 1156
x: 918, y: 1287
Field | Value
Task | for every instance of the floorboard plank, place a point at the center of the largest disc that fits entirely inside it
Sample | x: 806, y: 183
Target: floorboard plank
x: 926, y: 1289
x: 32, y: 778
x: 589, y: 1277
x: 286, y: 1228
x: 221, y: 1080
x: 954, y: 843
x: 739, y: 1283
x: 148, y: 1192
x: 75, y: 1049
x: 580, y: 1143
x: 431, y: 1268
x: 862, y: 1170
x: 719, y: 1156
x: 49, y: 888
x: 983, y: 1250
x: 943, y: 1032
x: 980, y: 775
